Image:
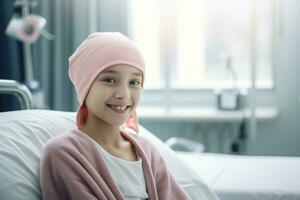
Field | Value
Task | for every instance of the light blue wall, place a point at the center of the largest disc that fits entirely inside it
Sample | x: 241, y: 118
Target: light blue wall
x: 280, y: 136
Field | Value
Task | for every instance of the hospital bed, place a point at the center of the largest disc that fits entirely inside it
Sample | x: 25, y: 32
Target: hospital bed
x: 23, y: 134
x: 247, y: 177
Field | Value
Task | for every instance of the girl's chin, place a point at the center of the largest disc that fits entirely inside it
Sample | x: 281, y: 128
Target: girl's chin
x: 117, y: 122
x: 115, y: 119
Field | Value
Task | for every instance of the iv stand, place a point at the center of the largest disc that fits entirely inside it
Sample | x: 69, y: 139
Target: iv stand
x: 27, y: 49
x: 32, y: 84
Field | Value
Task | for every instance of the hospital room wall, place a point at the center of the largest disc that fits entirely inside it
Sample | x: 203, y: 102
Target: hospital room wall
x: 279, y: 136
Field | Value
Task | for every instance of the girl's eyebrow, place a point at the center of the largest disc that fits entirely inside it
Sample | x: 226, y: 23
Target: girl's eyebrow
x: 110, y: 71
x: 137, y: 74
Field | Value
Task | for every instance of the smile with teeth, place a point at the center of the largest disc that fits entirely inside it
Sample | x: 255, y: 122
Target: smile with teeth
x: 117, y: 108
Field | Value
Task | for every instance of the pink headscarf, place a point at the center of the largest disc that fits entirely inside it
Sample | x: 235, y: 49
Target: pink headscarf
x: 98, y: 52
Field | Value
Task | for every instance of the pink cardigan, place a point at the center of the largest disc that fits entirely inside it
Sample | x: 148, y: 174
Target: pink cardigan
x: 72, y: 167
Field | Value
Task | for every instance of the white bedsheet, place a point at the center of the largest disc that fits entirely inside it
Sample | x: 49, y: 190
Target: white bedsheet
x: 248, y: 177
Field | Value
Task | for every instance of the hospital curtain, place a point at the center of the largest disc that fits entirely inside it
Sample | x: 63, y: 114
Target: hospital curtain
x: 11, y: 66
x: 70, y: 21
x: 51, y: 57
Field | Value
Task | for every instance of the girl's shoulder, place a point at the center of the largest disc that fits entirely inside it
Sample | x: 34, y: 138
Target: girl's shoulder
x: 60, y: 140
x: 146, y: 145
x: 134, y: 136
x: 67, y: 141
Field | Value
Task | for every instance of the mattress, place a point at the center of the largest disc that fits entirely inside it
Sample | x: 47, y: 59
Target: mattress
x: 247, y: 177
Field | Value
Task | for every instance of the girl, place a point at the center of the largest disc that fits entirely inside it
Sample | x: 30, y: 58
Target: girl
x: 103, y: 158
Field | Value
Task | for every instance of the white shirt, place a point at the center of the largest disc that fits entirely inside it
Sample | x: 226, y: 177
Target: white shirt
x: 128, y: 175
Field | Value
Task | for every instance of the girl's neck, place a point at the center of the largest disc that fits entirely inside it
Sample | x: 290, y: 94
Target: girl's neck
x: 110, y: 138
x: 103, y: 133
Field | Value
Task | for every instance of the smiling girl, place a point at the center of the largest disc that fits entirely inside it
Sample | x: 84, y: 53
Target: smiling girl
x: 104, y: 158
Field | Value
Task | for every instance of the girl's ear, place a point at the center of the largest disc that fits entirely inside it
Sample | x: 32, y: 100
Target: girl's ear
x: 82, y: 115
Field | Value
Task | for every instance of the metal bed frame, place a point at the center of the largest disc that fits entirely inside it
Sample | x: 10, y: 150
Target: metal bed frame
x: 19, y: 90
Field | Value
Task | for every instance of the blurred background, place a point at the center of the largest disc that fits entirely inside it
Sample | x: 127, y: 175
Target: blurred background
x: 222, y: 73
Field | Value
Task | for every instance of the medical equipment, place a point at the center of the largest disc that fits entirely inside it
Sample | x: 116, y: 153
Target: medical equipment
x: 229, y: 99
x: 24, y: 26
x: 27, y: 28
x: 186, y: 145
x: 19, y: 90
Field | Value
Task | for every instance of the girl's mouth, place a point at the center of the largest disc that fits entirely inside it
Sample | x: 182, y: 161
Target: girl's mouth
x: 118, y: 108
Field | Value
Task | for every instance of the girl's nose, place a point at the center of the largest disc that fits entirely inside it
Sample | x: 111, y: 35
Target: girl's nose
x: 122, y: 93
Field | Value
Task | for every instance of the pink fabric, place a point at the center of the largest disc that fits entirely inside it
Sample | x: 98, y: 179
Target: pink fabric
x: 72, y: 168
x: 98, y: 52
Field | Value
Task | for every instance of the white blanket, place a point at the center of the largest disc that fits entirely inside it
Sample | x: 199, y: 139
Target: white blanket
x: 248, y: 177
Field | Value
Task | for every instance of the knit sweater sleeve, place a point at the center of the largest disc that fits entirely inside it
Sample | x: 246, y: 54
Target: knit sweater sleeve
x: 72, y: 168
x: 59, y: 175
x: 167, y: 186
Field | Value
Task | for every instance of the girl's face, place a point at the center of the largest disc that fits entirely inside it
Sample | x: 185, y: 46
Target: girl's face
x: 114, y: 94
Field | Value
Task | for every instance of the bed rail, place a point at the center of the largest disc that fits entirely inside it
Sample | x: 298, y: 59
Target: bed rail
x: 19, y: 90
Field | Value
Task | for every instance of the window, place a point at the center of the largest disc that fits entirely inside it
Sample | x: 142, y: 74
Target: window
x: 145, y: 32
x: 193, y: 44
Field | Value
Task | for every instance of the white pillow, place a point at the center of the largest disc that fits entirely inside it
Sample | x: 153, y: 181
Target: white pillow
x: 23, y: 134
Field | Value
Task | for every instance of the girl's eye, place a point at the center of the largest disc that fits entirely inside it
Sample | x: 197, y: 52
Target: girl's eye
x: 109, y: 80
x: 135, y: 82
